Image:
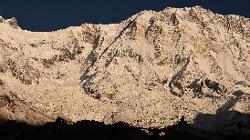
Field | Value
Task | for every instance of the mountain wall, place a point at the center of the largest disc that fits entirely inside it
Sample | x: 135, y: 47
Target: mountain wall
x: 147, y: 71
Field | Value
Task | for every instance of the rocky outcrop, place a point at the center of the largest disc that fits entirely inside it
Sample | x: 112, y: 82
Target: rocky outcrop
x: 147, y: 71
x: 12, y: 22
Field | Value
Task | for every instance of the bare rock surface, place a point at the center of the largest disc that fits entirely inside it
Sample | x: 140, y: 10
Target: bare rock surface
x: 147, y: 71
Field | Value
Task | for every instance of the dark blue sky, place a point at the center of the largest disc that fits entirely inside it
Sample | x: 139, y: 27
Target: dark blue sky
x: 47, y: 15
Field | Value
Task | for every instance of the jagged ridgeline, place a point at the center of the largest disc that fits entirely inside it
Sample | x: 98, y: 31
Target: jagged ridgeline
x: 147, y: 71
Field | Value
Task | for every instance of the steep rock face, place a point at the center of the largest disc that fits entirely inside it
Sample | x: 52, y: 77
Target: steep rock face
x: 148, y: 71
